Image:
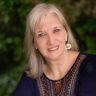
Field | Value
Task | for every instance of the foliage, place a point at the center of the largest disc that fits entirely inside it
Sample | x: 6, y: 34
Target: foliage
x: 12, y: 22
x: 9, y: 80
x: 81, y: 15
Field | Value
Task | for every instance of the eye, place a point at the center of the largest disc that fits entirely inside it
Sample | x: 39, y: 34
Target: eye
x: 56, y: 30
x: 41, y: 34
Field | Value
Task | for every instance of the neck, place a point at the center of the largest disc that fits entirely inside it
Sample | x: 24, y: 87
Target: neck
x: 58, y: 68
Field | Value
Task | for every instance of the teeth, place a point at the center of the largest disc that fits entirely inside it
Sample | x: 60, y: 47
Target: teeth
x: 52, y: 49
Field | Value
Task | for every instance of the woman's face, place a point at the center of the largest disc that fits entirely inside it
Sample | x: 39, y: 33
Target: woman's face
x: 51, y: 38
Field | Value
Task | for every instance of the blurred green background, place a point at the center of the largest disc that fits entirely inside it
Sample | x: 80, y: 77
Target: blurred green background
x: 81, y: 15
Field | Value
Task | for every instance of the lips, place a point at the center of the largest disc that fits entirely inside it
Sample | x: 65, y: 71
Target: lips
x: 53, y: 48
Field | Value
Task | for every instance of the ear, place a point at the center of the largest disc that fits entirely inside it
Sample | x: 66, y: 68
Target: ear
x: 66, y: 37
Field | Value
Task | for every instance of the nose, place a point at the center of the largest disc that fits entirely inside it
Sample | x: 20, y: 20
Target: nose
x: 51, y: 39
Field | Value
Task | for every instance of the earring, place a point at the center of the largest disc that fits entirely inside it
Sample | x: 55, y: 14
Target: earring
x: 68, y: 46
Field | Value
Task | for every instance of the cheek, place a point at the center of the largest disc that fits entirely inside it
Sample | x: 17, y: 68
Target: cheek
x: 42, y: 48
x: 63, y: 38
x: 41, y: 44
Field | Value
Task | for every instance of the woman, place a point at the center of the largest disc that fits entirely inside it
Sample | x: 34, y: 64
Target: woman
x: 55, y: 66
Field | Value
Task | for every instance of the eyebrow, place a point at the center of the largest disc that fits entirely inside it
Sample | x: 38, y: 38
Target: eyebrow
x: 57, y: 27
x: 40, y: 30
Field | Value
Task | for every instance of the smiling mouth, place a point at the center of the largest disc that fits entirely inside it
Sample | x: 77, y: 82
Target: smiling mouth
x: 53, y: 48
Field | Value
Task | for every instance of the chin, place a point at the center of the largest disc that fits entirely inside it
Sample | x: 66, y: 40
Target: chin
x: 53, y: 57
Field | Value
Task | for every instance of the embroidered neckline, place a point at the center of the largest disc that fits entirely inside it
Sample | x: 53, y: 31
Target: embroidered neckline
x: 62, y: 87
x: 78, y: 57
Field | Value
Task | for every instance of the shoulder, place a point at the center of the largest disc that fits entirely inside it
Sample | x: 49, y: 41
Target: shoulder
x: 25, y: 86
x: 90, y: 57
x: 89, y: 62
x: 87, y: 76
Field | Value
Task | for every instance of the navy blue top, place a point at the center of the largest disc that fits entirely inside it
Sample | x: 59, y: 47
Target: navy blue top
x: 85, y: 82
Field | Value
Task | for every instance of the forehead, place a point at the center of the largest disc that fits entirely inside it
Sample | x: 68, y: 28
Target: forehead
x: 49, y: 18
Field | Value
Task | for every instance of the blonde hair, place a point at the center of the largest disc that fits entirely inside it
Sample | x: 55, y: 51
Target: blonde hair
x: 35, y: 59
